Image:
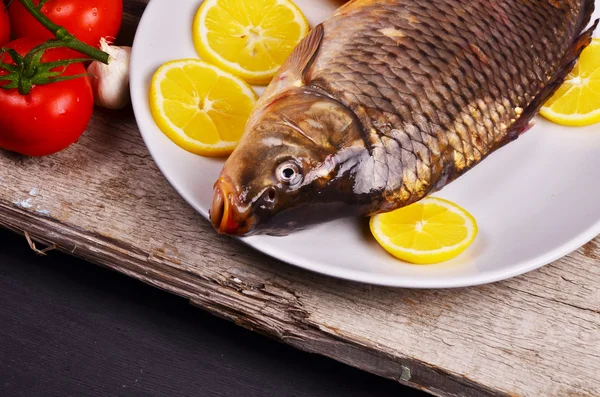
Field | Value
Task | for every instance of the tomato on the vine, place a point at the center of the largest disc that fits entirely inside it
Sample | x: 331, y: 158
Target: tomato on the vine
x: 88, y: 20
x: 4, y: 25
x: 51, y: 116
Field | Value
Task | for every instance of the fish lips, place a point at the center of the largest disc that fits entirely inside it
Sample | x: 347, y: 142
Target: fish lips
x: 227, y: 215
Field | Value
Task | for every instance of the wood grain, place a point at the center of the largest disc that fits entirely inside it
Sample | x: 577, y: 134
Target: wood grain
x: 104, y: 200
x: 71, y: 329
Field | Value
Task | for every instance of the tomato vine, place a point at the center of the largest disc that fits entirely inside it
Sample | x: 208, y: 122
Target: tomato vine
x: 29, y: 70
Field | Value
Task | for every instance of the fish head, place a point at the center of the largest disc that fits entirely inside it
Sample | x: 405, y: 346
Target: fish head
x: 286, y: 173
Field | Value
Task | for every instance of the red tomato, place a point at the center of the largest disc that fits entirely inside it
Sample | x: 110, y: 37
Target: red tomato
x: 88, y: 20
x: 52, y: 116
x: 4, y: 25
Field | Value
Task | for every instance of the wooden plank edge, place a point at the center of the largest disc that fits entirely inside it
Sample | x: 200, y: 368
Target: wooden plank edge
x: 222, y: 297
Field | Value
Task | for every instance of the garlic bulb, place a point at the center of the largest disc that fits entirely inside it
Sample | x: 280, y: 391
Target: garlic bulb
x: 111, y: 82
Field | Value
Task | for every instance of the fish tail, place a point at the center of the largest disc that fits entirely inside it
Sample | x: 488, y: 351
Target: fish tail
x: 566, y: 66
x: 586, y: 14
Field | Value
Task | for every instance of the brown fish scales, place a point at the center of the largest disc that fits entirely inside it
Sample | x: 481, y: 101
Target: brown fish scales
x: 390, y: 100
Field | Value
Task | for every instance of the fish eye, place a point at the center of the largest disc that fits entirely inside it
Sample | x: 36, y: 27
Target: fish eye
x: 289, y: 173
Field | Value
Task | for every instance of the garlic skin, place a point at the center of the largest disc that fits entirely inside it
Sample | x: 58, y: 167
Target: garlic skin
x: 110, y: 83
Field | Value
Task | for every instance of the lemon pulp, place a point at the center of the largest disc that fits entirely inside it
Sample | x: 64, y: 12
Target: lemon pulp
x: 431, y: 231
x: 577, y: 101
x: 249, y: 38
x: 201, y: 108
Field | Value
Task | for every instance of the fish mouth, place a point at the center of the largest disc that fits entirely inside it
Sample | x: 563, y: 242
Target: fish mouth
x: 225, y: 214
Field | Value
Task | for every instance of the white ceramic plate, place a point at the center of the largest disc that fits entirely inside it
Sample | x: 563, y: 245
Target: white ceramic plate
x: 536, y: 200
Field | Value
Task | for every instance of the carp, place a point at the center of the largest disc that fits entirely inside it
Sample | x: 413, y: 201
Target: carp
x: 388, y: 101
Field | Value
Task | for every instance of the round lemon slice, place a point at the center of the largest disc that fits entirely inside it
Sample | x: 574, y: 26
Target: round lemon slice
x: 249, y: 38
x: 200, y: 107
x: 577, y: 101
x: 431, y: 231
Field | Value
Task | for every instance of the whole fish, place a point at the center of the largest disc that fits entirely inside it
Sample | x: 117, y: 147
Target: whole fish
x: 390, y: 100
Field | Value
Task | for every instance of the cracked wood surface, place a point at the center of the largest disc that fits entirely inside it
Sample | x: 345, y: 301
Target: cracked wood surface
x: 105, y: 200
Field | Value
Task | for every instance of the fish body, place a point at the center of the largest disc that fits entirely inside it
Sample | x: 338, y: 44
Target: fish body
x: 388, y: 101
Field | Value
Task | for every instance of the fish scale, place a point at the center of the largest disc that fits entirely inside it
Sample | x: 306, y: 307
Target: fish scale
x: 463, y: 82
x: 425, y: 90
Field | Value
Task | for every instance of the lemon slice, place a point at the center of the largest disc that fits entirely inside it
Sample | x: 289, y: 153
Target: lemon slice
x: 431, y: 231
x: 249, y: 38
x: 201, y: 108
x: 577, y: 101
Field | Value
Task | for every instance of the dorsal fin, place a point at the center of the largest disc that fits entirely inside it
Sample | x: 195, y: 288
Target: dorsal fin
x: 303, y: 56
x: 295, y: 70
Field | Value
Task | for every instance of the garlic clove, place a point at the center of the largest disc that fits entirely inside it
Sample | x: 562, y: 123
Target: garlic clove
x: 110, y: 83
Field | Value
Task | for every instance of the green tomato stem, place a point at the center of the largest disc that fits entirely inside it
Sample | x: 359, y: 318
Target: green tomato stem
x: 63, y: 37
x: 39, y: 16
x: 30, y: 70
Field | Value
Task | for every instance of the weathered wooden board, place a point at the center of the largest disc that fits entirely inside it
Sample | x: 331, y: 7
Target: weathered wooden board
x: 105, y: 200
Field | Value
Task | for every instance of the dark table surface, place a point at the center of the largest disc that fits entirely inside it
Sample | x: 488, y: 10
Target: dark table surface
x: 70, y: 328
